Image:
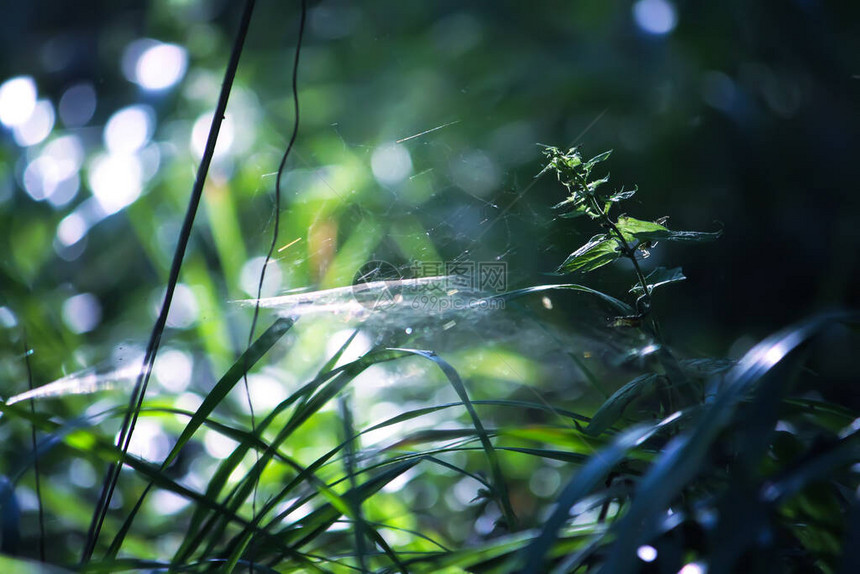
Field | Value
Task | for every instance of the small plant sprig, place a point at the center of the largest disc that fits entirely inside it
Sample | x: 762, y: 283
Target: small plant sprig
x: 622, y: 237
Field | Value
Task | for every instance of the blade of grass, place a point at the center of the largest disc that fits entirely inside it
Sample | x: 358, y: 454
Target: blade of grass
x: 349, y: 462
x: 218, y: 393
x: 321, y: 390
x: 499, y: 486
x: 583, y: 483
x: 683, y: 458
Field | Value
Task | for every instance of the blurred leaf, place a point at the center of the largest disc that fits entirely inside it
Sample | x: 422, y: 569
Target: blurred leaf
x: 611, y: 410
x: 584, y: 482
x: 9, y: 565
x: 10, y: 518
x: 684, y: 457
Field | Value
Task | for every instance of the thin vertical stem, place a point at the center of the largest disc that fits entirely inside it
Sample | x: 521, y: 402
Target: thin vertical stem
x: 139, y: 391
x: 36, y: 469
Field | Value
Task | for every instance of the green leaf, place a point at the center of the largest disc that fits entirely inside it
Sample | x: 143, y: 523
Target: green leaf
x: 577, y: 205
x: 611, y: 410
x: 633, y: 228
x: 600, y: 157
x: 593, y: 185
x: 599, y: 251
x: 660, y: 276
x: 621, y: 195
x: 499, y: 485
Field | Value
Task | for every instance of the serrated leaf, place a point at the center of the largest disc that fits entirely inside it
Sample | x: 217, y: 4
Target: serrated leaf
x: 633, y: 228
x: 569, y: 201
x: 599, y: 251
x: 592, y: 186
x: 600, y: 157
x: 659, y: 276
x: 621, y: 195
x: 575, y: 203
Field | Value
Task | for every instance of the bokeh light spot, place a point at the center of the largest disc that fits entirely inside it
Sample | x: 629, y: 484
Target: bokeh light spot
x: 71, y: 229
x: 249, y: 278
x: 82, y: 313
x: 7, y: 318
x: 218, y: 446
x: 82, y: 473
x: 391, y: 164
x: 77, y: 105
x: 475, y: 173
x: 173, y: 370
x: 149, y: 440
x: 646, y: 553
x: 184, y: 309
x: 17, y: 100
x: 115, y: 181
x: 154, y: 65
x: 657, y: 17
x: 37, y: 126
x: 161, y: 66
x: 267, y: 392
x: 68, y: 152
x: 129, y: 129
x: 718, y: 91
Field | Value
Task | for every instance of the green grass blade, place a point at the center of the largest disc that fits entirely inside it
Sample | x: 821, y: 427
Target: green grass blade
x: 321, y: 390
x: 221, y: 389
x: 683, y: 458
x: 611, y: 410
x: 588, y: 478
x: 499, y: 486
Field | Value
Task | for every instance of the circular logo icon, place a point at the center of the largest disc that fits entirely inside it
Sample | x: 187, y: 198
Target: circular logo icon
x: 376, y: 285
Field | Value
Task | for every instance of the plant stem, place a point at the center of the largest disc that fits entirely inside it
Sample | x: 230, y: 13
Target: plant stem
x: 628, y: 252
